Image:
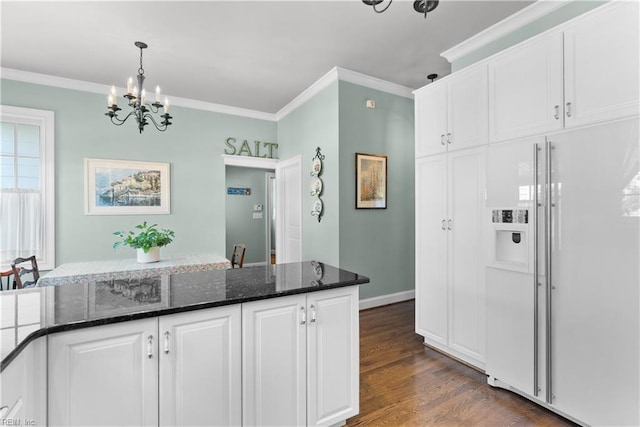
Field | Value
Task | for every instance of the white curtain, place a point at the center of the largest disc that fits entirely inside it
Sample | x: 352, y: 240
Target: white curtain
x: 21, y: 225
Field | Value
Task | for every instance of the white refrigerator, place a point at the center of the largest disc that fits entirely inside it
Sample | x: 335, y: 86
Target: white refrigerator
x: 563, y: 279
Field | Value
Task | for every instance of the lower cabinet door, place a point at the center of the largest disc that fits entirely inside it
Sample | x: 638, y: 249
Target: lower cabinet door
x: 274, y: 362
x: 333, y: 356
x: 104, y: 375
x: 23, y: 387
x: 200, y: 377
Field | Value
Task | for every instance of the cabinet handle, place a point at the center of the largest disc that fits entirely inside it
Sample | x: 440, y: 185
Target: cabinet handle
x: 444, y: 222
x: 166, y: 342
x: 568, y: 109
x: 449, y: 138
x: 442, y: 139
x: 150, y: 346
x: 557, y: 115
x: 449, y: 225
x: 304, y: 316
x: 313, y: 314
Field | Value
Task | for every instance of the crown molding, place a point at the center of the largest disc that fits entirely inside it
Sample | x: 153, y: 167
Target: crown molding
x: 335, y: 74
x: 338, y: 73
x: 511, y: 23
x: 61, y: 82
x: 320, y: 84
x: 374, y: 83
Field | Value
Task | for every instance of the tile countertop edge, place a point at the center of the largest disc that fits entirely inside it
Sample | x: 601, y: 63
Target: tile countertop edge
x: 48, y: 330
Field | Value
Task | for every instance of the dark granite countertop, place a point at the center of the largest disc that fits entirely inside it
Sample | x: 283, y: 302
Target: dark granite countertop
x: 61, y: 308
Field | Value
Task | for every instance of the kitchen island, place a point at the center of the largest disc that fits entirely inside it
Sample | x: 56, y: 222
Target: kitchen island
x: 254, y: 346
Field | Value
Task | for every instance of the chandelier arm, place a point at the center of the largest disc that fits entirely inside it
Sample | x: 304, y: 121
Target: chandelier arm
x: 118, y: 121
x: 382, y: 10
x: 162, y: 127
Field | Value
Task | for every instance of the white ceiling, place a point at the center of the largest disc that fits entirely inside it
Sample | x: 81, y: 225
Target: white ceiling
x: 257, y: 55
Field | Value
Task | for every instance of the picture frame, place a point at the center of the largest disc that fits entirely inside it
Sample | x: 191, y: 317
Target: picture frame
x: 371, y: 181
x: 126, y: 187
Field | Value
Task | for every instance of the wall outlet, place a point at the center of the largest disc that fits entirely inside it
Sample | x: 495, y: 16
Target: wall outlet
x: 257, y: 208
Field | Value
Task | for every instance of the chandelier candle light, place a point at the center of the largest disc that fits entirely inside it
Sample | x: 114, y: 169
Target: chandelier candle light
x: 140, y: 109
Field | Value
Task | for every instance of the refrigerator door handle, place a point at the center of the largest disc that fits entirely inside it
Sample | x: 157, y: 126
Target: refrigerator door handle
x: 536, y: 274
x: 548, y: 241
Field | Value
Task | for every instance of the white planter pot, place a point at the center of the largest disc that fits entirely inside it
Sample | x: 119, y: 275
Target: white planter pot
x: 152, y: 256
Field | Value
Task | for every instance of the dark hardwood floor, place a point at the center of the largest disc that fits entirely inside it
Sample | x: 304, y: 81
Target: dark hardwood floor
x: 403, y: 382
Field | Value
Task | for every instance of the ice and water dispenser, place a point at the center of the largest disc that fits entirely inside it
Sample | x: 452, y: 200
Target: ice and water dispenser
x: 510, y: 239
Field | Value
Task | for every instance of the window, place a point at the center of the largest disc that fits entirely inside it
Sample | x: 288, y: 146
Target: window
x: 27, y: 223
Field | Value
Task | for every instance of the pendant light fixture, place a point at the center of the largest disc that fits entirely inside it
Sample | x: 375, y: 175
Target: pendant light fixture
x: 420, y: 6
x: 136, y: 100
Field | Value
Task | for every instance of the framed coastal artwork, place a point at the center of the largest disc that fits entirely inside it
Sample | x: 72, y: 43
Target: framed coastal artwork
x: 371, y: 181
x: 125, y: 187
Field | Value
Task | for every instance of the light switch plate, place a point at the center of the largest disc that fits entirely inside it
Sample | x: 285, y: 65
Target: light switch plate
x: 257, y: 208
x: 257, y: 215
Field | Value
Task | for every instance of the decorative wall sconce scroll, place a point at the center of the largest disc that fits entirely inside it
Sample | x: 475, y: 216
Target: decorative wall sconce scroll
x: 316, y: 184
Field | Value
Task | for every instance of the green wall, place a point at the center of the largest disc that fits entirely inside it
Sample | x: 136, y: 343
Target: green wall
x: 378, y: 243
x: 558, y: 16
x: 315, y: 124
x: 241, y: 226
x: 192, y: 146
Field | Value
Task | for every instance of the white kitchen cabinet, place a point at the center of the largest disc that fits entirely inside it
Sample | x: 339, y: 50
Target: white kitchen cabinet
x: 525, y: 89
x: 332, y: 356
x: 105, y: 375
x: 274, y: 362
x: 450, y: 281
x: 200, y: 368
x: 182, y: 369
x: 601, y: 65
x: 452, y: 114
x: 582, y: 73
x: 23, y: 387
x: 300, y: 359
x: 431, y: 254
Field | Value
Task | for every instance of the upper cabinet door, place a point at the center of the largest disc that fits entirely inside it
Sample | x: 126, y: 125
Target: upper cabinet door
x: 431, y: 120
x: 468, y: 109
x: 601, y: 66
x: 525, y: 89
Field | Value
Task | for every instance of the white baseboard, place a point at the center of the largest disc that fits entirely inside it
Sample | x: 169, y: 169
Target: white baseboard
x: 387, y: 299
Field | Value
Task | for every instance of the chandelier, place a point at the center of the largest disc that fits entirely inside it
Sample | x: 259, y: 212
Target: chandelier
x: 420, y: 6
x: 137, y: 99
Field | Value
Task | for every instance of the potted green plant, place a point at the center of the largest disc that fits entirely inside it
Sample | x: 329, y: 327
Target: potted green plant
x: 147, y: 241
